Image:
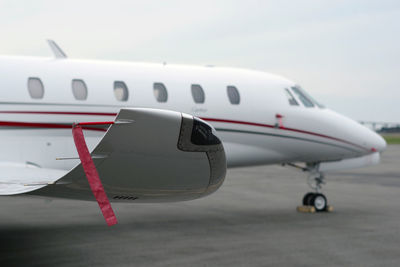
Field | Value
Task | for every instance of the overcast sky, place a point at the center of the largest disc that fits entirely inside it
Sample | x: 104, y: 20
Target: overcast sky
x: 346, y: 53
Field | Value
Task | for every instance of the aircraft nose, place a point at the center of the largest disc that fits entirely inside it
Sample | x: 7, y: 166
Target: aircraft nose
x: 366, y: 138
x: 378, y: 144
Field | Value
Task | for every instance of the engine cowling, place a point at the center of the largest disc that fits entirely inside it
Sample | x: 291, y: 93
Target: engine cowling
x: 151, y: 155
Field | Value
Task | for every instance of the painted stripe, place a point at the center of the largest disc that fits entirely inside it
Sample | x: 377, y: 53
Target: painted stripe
x: 203, y: 118
x: 285, y: 136
x: 239, y: 122
x: 15, y: 124
x: 59, y: 113
x: 283, y: 129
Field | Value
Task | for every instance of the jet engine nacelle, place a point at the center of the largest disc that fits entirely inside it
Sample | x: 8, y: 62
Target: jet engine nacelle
x: 151, y: 155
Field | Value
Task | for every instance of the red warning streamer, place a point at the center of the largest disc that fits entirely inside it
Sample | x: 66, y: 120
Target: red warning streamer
x: 92, y: 174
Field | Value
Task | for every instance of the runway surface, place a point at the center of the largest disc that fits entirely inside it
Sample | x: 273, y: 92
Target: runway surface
x: 250, y: 221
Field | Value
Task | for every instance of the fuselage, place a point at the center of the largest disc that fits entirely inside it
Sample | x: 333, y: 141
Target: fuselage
x: 263, y: 127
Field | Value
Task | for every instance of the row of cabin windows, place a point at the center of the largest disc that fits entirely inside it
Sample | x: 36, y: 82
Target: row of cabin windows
x: 121, y: 93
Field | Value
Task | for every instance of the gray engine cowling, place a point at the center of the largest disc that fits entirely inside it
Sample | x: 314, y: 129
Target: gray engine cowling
x: 151, y: 155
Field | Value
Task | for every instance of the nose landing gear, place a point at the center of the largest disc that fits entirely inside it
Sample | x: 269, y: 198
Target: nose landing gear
x: 315, y: 181
x: 313, y: 201
x: 317, y: 200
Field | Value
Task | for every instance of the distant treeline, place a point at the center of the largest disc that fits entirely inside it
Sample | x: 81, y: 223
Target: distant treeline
x: 390, y: 130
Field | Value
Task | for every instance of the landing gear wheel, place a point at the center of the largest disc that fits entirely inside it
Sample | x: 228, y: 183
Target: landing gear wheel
x: 307, y: 199
x: 319, y: 202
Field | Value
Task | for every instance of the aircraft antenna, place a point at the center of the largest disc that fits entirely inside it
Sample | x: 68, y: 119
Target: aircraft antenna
x: 58, y: 53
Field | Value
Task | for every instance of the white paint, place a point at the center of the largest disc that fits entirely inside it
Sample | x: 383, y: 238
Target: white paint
x: 314, y: 135
x: 367, y: 160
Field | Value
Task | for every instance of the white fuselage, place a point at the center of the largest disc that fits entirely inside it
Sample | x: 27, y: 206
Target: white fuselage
x: 38, y: 130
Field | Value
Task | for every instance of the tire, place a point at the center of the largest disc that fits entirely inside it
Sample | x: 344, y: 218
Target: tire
x: 307, y: 199
x: 319, y: 202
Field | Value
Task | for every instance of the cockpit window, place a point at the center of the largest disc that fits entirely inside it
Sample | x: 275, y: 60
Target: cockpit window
x: 292, y: 100
x: 306, y: 96
x: 307, y: 102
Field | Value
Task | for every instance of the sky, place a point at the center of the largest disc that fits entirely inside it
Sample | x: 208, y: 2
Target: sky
x: 346, y: 53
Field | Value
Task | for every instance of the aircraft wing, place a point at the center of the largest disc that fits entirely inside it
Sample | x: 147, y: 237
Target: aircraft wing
x: 150, y: 155
x: 18, y: 178
x: 146, y: 155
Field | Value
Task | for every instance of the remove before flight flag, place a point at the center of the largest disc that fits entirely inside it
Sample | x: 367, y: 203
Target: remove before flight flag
x: 91, y: 173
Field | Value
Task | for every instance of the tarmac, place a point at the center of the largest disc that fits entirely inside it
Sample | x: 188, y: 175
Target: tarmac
x: 250, y: 221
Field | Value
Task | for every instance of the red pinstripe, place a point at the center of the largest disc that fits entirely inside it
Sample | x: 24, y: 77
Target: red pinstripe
x: 64, y: 126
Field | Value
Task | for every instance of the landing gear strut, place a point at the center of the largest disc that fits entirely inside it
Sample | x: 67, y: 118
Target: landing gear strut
x: 315, y: 181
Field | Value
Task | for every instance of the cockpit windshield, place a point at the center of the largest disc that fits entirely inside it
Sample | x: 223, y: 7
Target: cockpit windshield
x: 305, y: 98
x: 292, y: 100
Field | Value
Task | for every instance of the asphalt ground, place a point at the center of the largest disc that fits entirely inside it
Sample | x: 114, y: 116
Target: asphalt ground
x: 250, y: 221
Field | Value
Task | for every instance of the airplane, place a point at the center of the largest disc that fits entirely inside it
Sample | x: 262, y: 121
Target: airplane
x: 149, y: 132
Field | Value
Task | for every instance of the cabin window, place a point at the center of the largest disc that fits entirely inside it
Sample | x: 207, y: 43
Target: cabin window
x: 160, y: 92
x: 307, y: 102
x: 121, y: 91
x: 35, y: 88
x: 233, y: 95
x: 292, y: 100
x: 198, y: 94
x: 79, y: 89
